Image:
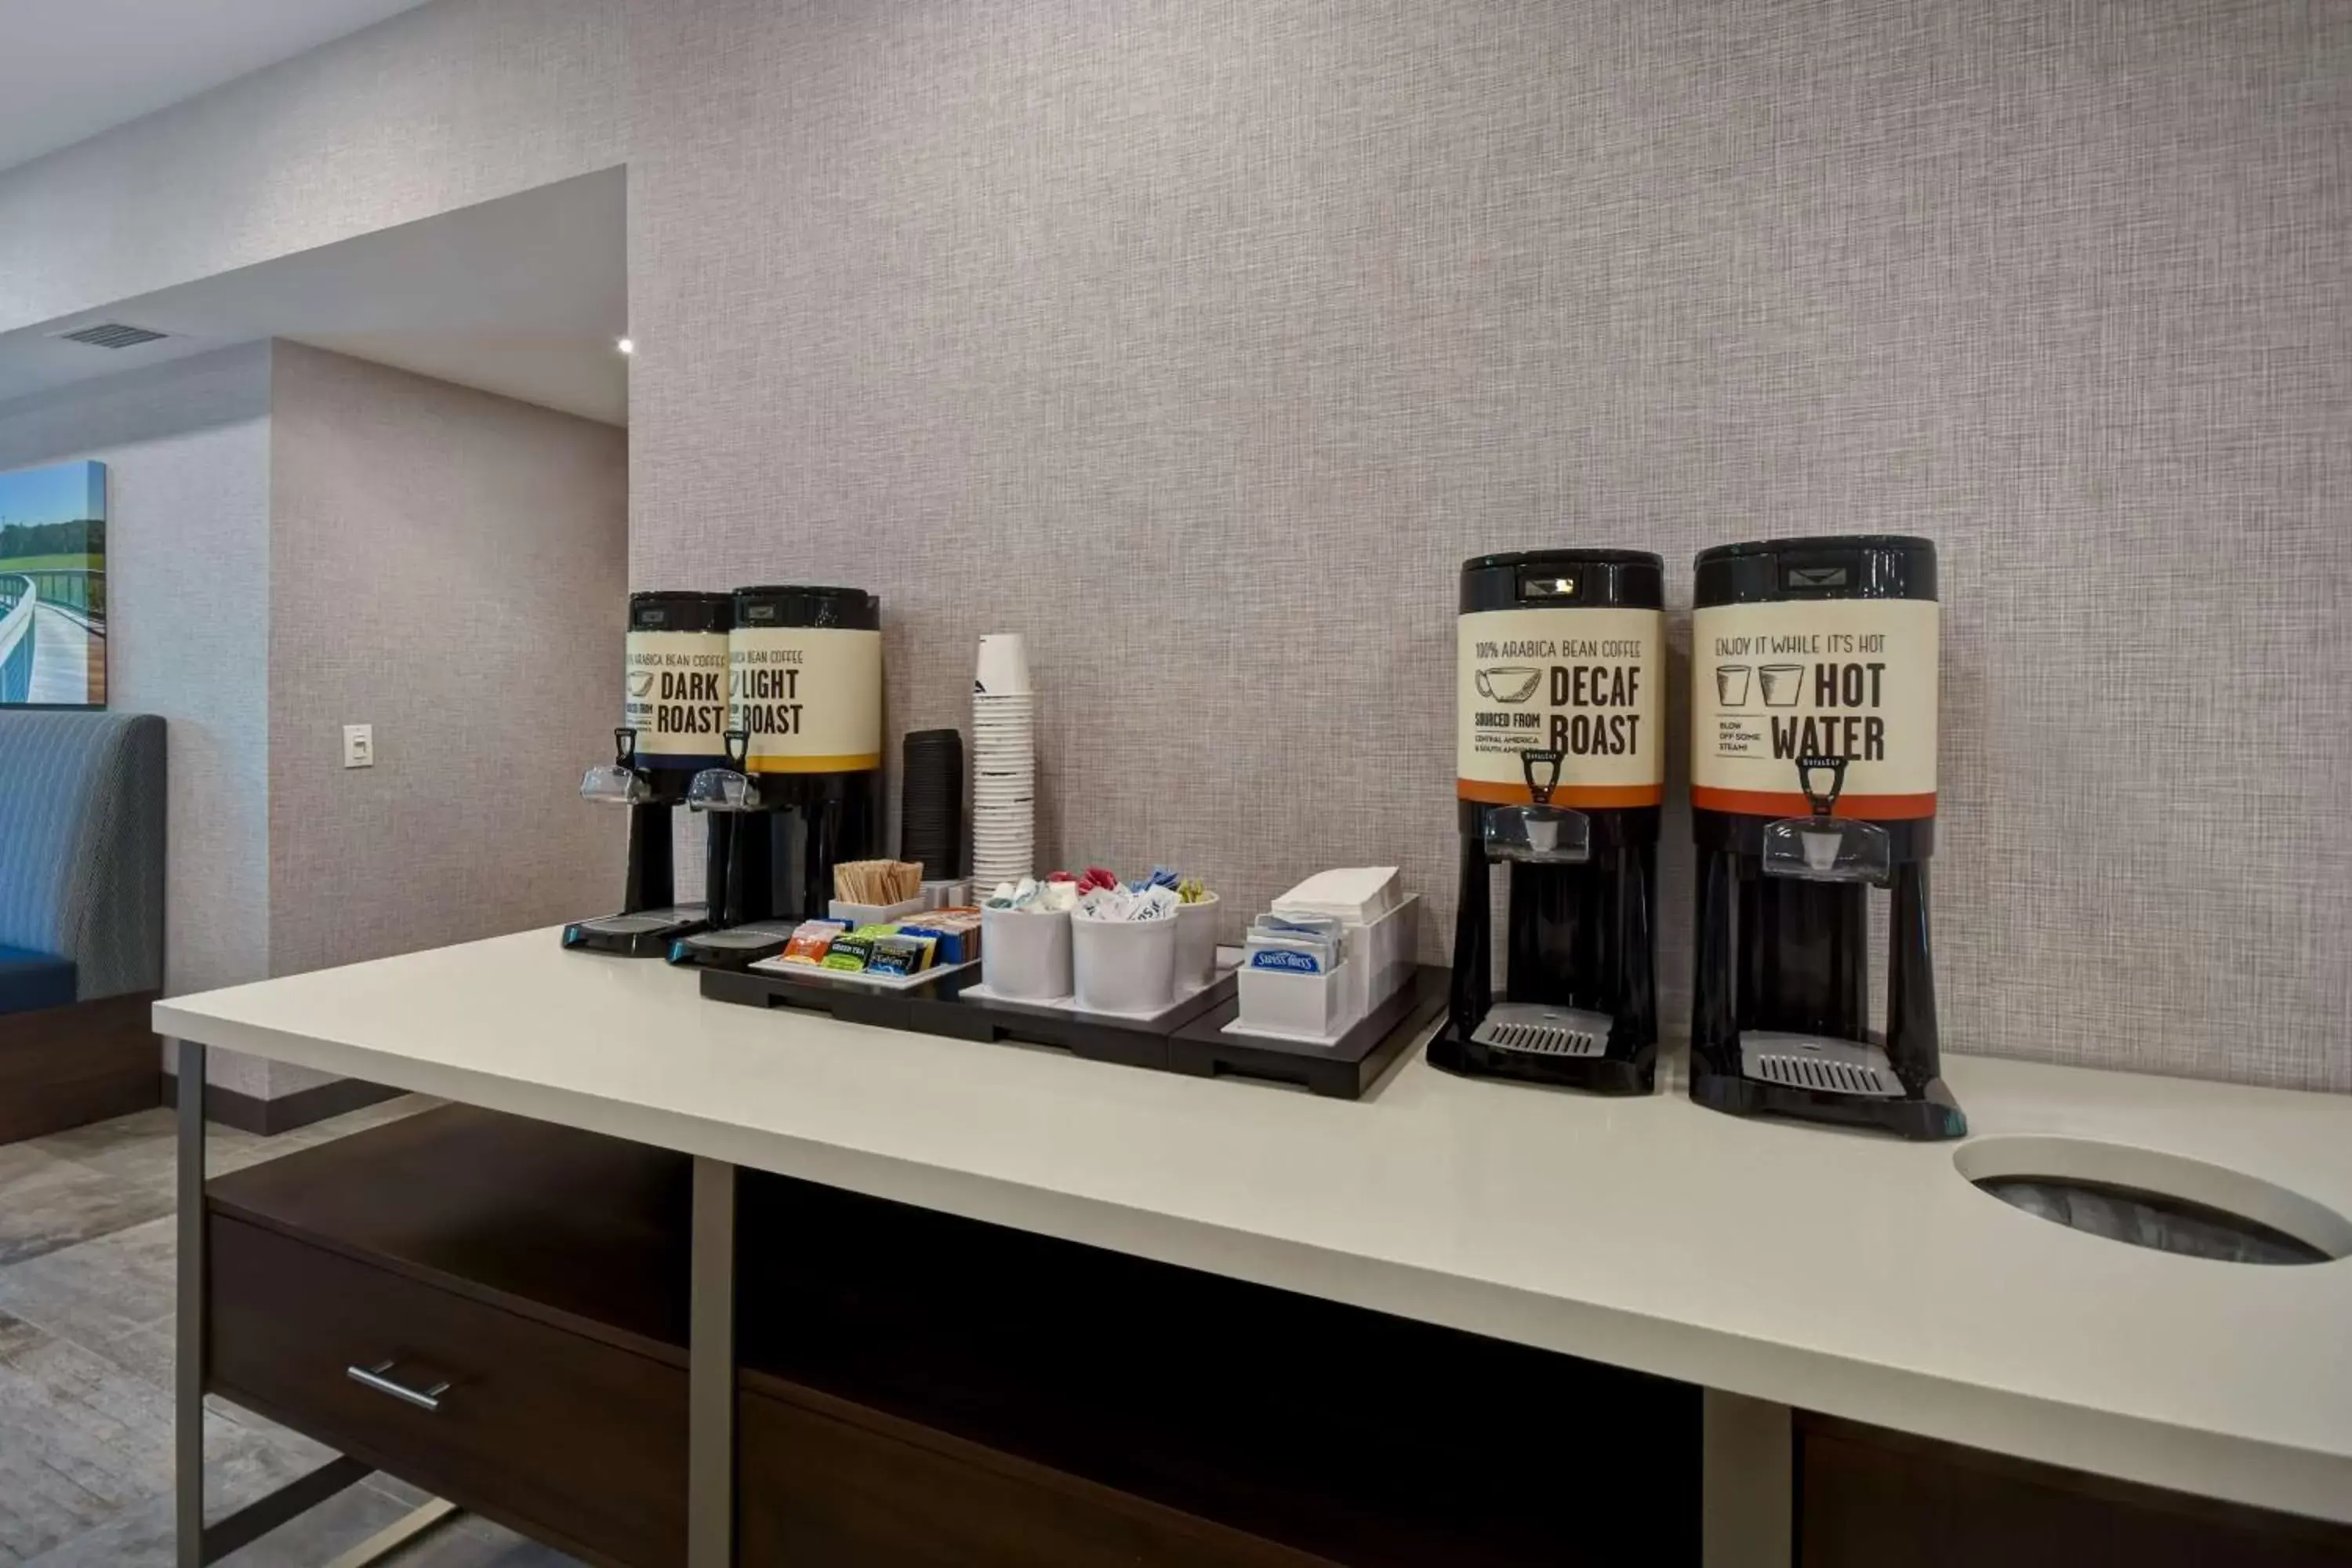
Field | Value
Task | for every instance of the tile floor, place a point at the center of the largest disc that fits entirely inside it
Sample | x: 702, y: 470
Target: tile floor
x: 86, y: 1350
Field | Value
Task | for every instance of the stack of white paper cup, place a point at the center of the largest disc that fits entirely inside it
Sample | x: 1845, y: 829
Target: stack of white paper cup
x: 1003, y: 764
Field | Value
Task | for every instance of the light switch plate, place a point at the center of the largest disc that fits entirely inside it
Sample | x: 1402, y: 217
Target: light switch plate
x: 359, y: 745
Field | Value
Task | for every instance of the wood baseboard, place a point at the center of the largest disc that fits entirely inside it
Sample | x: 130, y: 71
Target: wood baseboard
x: 67, y: 1067
x: 252, y: 1113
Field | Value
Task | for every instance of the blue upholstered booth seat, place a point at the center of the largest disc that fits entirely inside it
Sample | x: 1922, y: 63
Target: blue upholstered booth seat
x: 81, y: 856
x: 32, y: 981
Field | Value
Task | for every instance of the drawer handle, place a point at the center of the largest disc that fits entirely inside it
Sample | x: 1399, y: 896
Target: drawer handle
x: 378, y: 1378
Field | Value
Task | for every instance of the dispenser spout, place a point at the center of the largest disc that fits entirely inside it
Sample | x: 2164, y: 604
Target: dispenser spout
x: 1823, y: 847
x: 1538, y: 830
x: 730, y: 788
x: 620, y: 781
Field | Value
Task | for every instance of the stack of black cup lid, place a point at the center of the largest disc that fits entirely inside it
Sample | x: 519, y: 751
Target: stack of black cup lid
x: 931, y: 803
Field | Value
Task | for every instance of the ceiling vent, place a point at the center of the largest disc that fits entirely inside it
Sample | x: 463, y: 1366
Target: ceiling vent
x: 114, y: 335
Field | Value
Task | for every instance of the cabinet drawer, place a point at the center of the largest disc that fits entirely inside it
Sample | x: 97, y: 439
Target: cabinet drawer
x: 825, y: 1484
x: 580, y: 1442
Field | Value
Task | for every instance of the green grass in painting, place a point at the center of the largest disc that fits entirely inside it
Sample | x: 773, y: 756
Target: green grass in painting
x: 47, y: 562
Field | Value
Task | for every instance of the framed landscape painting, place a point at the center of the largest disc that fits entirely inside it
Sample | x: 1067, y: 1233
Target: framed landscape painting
x: 53, y: 587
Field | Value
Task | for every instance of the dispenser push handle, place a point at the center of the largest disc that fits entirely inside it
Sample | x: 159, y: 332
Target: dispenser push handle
x: 1807, y: 767
x: 1540, y: 788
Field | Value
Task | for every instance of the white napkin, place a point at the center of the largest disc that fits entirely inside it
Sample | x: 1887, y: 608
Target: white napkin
x: 1356, y: 894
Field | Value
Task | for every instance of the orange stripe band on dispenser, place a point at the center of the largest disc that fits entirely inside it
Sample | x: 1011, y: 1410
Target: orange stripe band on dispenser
x: 850, y: 765
x: 1584, y: 797
x: 1789, y: 802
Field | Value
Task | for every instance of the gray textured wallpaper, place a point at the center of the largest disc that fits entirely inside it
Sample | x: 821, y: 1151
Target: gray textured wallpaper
x: 446, y: 566
x: 1203, y: 340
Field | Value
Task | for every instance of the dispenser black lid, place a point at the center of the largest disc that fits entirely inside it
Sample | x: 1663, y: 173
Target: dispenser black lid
x: 678, y: 610
x: 1827, y: 566
x: 1565, y: 579
x: 799, y: 604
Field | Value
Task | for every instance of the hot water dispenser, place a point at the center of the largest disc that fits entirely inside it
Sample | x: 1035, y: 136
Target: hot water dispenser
x: 1559, y: 770
x: 1813, y: 781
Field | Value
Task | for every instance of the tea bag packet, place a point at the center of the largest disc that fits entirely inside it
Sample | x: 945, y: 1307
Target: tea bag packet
x: 899, y: 956
x: 810, y: 940
x: 848, y: 952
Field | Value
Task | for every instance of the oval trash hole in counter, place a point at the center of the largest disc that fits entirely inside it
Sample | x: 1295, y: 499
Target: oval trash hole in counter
x: 2148, y: 1198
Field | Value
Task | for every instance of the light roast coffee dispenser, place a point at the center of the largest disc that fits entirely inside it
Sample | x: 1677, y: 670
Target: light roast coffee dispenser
x: 672, y: 718
x: 801, y: 778
x: 1560, y: 771
x: 1812, y: 782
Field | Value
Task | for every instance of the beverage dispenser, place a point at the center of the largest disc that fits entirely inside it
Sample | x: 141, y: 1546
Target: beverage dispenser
x: 1559, y: 770
x: 1813, y: 666
x: 801, y: 778
x: 674, y: 711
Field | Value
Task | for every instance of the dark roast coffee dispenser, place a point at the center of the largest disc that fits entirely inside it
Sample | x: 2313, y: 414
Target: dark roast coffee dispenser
x: 672, y: 717
x: 801, y: 778
x: 1813, y: 666
x: 1559, y: 658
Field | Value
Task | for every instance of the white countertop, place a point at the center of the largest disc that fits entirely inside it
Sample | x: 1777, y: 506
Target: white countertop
x: 1853, y: 1274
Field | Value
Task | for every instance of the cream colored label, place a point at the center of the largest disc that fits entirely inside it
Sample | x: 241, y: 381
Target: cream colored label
x: 678, y: 694
x: 810, y: 696
x: 1817, y: 678
x: 1584, y: 683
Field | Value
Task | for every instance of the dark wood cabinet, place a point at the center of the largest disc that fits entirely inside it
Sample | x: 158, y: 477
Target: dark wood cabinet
x: 828, y: 1484
x: 539, y: 1271
x: 1867, y: 1497
x: 1345, y: 1434
x: 576, y: 1441
x: 917, y: 1390
x: 915, y: 1387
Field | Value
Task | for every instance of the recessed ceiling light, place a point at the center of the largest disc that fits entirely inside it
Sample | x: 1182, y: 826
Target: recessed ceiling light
x: 626, y: 345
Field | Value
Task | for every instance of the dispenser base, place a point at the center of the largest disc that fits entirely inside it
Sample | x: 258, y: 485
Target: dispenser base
x: 732, y: 947
x: 1637, y: 1074
x: 647, y: 935
x: 1931, y: 1117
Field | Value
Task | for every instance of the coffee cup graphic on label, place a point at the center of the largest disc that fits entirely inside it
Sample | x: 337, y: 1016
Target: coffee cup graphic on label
x: 1784, y: 684
x: 1510, y: 683
x: 641, y: 683
x: 1731, y: 684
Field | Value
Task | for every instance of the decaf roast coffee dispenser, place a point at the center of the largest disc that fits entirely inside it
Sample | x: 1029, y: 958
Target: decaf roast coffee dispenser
x: 1812, y: 782
x: 1560, y: 659
x: 802, y: 778
x: 673, y: 714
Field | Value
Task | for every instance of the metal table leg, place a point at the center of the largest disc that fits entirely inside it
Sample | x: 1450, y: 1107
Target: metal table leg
x: 710, y: 1371
x: 188, y: 1370
x: 1748, y: 1483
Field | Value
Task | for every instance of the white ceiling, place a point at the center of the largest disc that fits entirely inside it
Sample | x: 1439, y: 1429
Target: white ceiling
x: 523, y: 297
x: 71, y: 68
